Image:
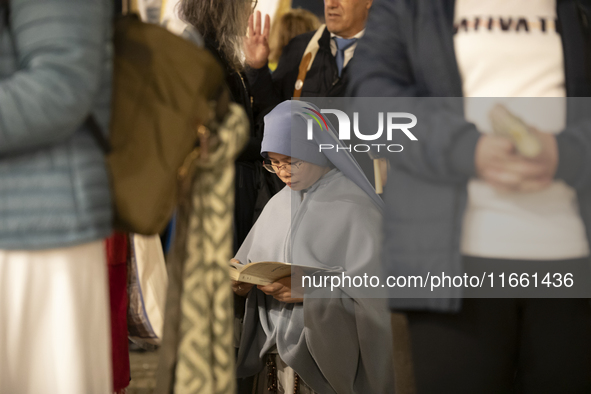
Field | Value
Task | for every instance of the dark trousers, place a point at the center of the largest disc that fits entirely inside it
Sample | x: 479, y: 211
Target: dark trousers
x: 504, y: 346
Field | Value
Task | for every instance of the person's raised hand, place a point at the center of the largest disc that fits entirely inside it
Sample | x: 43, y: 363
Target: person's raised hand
x: 256, y: 43
x: 280, y: 290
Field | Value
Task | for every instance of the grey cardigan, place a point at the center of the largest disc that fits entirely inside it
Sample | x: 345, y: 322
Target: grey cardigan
x: 55, y: 69
x: 408, y: 51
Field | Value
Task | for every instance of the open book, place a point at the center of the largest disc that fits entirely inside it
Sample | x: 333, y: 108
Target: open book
x: 264, y: 272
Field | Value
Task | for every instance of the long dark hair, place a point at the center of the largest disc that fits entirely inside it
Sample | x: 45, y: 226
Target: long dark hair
x: 223, y: 20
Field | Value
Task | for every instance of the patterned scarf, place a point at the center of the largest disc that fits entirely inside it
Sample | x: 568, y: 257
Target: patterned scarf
x: 197, y: 353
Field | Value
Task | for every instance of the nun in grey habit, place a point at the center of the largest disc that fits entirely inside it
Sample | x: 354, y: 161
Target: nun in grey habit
x: 339, y: 342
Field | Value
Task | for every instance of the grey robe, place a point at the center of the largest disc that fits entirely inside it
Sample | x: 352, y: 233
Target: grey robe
x: 340, y: 344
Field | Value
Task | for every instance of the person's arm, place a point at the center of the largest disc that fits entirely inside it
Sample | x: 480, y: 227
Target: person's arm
x: 61, y: 50
x: 574, y: 146
x: 449, y: 149
x: 567, y: 155
x: 384, y: 68
x: 262, y: 86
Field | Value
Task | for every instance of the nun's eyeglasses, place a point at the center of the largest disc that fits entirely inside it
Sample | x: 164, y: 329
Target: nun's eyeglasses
x: 275, y: 168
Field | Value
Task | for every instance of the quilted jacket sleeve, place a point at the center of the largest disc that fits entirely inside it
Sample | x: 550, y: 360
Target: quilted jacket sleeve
x: 51, y: 58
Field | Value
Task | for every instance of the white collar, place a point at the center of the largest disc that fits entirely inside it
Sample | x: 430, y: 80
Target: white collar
x: 358, y: 35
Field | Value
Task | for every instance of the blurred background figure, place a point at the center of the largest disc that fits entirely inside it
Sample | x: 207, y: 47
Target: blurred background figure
x: 273, y: 8
x: 149, y: 10
x: 55, y: 203
x: 473, y: 200
x: 222, y: 25
x: 314, y: 6
x: 291, y: 24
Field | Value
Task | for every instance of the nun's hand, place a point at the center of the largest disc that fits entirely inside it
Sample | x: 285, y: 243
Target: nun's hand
x: 280, y: 290
x: 241, y: 288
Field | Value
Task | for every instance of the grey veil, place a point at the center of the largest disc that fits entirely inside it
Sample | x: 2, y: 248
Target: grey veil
x: 286, y: 133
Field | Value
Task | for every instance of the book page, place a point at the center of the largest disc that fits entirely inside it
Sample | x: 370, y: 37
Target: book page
x: 269, y: 271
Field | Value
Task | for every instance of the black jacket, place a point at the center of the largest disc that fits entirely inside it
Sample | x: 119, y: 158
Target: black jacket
x: 240, y: 94
x: 254, y: 185
x: 322, y: 80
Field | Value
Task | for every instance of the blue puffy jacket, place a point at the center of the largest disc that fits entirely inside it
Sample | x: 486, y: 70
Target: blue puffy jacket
x: 55, y: 69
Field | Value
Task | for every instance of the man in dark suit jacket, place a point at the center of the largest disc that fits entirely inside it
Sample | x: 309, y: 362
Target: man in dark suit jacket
x: 344, y: 19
